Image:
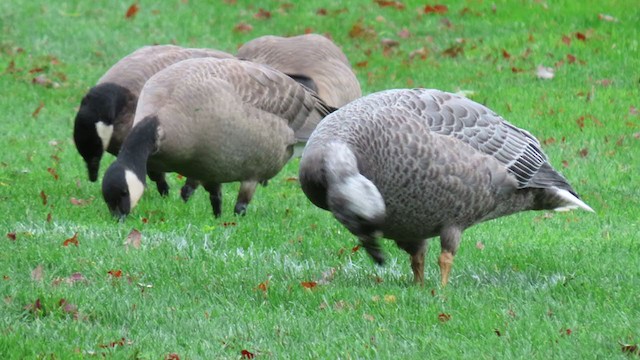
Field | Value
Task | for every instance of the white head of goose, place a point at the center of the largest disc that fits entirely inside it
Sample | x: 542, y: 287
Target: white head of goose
x: 215, y: 121
x: 106, y: 111
x: 311, y: 59
x: 414, y: 164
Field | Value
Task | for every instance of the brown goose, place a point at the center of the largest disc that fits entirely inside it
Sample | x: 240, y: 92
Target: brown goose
x: 216, y: 121
x: 310, y: 59
x: 106, y: 112
x: 409, y: 165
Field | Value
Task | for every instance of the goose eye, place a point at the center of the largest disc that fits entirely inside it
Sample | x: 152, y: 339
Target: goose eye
x: 125, y: 192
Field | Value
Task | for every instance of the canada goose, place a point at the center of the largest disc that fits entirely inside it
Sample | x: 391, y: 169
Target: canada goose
x: 310, y: 59
x: 216, y: 121
x: 409, y: 165
x: 106, y: 112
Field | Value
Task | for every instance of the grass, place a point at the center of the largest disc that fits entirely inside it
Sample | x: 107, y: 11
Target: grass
x: 561, y: 285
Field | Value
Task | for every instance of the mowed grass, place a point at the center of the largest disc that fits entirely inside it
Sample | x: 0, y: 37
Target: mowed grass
x: 285, y: 281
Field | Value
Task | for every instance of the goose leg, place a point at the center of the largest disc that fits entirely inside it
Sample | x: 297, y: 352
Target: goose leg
x: 417, y: 251
x: 449, y: 241
x: 372, y: 246
x: 188, y: 189
x: 215, y: 196
x: 161, y: 182
x: 245, y: 194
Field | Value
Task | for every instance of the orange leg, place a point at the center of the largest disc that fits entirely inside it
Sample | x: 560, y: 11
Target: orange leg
x: 445, y: 262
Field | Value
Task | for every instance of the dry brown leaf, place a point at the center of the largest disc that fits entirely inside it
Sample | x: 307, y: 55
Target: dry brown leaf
x: 37, y: 273
x: 36, y: 112
x: 243, y: 27
x: 133, y: 239
x: 479, y: 245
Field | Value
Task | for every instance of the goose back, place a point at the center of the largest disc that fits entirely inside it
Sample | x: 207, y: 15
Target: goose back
x: 312, y: 57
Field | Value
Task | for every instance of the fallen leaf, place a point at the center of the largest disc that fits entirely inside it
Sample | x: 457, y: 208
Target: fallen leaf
x: 308, y: 284
x: 571, y: 59
x: 389, y: 299
x: 133, y: 239
x: 605, y: 82
x: 35, y: 308
x: 516, y: 70
x: 72, y: 240
x: 580, y: 36
x: 454, y: 51
x: 67, y: 307
x: 243, y: 27
x: 566, y: 40
x: 565, y: 163
x: 121, y: 342
x: 36, y: 112
x: 44, y: 197
x: 630, y: 348
x: 37, y: 273
x: 404, y: 33
x: 291, y: 179
x: 386, y: 3
x: 53, y: 173
x: 435, y: 9
x: 479, y: 245
x: 606, y: 17
x: 358, y: 30
x: 43, y: 80
x: 264, y: 286
x: 362, y: 64
x: 262, y: 14
x: 172, y: 356
x: 11, y: 236
x: 584, y: 152
x: 49, y: 217
x: 443, y: 317
x: 543, y: 72
x: 246, y: 354
x: 355, y: 249
x: 132, y: 11
x: 80, y: 202
x: 321, y: 12
x: 505, y: 54
x: 115, y: 273
x: 227, y: 224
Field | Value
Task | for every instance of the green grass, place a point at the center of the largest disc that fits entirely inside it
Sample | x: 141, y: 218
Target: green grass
x: 544, y: 286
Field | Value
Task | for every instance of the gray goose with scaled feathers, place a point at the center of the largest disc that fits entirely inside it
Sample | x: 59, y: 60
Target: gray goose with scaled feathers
x: 107, y: 110
x: 414, y: 164
x: 216, y: 121
x: 310, y: 59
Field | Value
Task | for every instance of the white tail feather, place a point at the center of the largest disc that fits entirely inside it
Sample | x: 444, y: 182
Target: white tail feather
x: 572, y: 202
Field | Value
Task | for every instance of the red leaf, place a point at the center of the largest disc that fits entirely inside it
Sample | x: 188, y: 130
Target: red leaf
x: 386, y: 3
x: 566, y: 40
x: 36, y: 112
x: 355, y: 248
x: 505, y: 54
x: 263, y: 286
x: 262, y: 14
x: 362, y: 64
x: 321, y: 12
x: 132, y: 11
x: 565, y: 163
x: 580, y: 122
x: 516, y: 70
x: 571, y: 59
x: 115, y: 273
x: 227, y: 224
x: 172, y: 356
x: 53, y: 173
x: 11, y: 236
x: 308, y: 284
x: 246, y: 354
x: 580, y: 36
x: 443, y: 317
x: 567, y: 331
x: 44, y: 197
x: 242, y: 27
x: 479, y: 245
x: 435, y: 9
x: 72, y: 240
x: 360, y: 31
x: 35, y: 307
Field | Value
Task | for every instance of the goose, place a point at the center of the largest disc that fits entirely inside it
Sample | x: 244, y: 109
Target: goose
x: 215, y: 121
x: 106, y: 112
x: 310, y: 59
x: 412, y: 164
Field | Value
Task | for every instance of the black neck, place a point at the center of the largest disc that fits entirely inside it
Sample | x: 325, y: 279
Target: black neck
x: 139, y: 145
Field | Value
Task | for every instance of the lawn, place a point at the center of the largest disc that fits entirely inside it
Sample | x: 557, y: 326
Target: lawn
x: 287, y: 280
